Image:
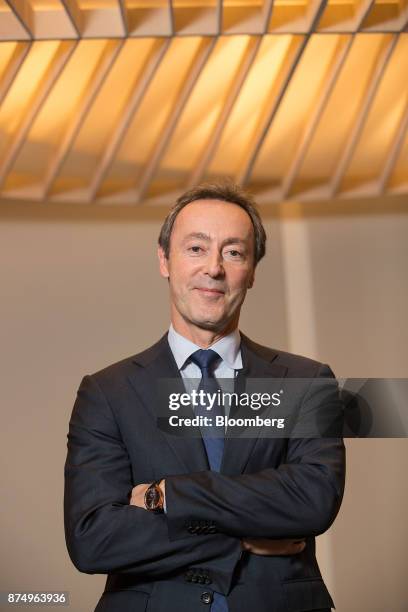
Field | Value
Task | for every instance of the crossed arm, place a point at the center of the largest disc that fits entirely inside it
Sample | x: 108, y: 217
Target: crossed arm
x: 105, y: 533
x: 256, y: 546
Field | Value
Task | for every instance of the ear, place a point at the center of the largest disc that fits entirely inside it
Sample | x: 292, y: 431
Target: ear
x: 163, y: 263
x: 251, y: 280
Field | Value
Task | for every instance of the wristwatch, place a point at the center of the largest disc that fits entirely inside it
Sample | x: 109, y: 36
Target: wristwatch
x: 153, y: 498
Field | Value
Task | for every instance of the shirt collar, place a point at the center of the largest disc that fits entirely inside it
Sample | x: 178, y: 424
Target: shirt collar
x: 228, y: 348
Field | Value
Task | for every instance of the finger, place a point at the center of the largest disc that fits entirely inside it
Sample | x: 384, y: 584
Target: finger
x: 297, y: 547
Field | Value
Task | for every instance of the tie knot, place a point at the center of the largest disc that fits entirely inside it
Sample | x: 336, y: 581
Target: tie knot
x: 205, y: 359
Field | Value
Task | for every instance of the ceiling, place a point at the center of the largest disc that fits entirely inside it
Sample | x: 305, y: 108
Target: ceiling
x: 131, y: 102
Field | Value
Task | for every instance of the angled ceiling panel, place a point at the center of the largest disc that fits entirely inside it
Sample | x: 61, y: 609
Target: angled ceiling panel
x: 112, y: 108
x: 257, y: 96
x: 155, y: 113
x: 131, y: 101
x: 381, y: 128
x: 398, y: 180
x: 195, y: 126
x: 293, y: 114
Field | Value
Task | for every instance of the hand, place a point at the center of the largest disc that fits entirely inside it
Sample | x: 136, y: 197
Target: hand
x: 264, y: 546
x: 138, y: 493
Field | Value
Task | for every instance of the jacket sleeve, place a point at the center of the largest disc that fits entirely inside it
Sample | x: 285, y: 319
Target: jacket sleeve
x: 105, y: 534
x: 299, y: 498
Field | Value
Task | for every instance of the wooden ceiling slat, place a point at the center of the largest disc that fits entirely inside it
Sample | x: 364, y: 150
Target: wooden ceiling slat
x: 245, y: 173
x: 153, y: 163
x: 362, y: 114
x: 388, y: 17
x: 292, y: 62
x: 90, y: 95
x: 124, y: 17
x: 20, y: 53
x: 316, y: 15
x: 398, y: 180
x: 11, y: 27
x: 252, y: 18
x: 135, y: 100
x: 349, y: 141
x: 172, y: 20
x: 393, y: 154
x: 365, y: 10
x: 405, y: 25
x: 306, y: 138
x: 205, y: 159
x: 24, y: 13
x: 148, y: 20
x: 219, y: 16
x: 74, y: 15
x: 296, y: 18
x: 44, y: 87
x: 268, y: 8
x: 404, y: 20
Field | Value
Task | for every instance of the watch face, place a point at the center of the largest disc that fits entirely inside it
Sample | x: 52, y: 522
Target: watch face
x: 152, y: 498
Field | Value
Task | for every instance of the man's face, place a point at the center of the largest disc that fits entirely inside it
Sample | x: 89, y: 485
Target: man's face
x: 210, y: 265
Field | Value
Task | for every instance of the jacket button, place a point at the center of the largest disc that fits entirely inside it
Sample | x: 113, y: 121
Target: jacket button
x: 206, y: 597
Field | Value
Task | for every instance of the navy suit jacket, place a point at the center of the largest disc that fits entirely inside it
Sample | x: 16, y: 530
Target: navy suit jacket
x: 267, y: 488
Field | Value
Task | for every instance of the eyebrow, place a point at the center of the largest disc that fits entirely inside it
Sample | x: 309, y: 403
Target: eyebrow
x: 206, y: 237
x: 199, y: 235
x: 233, y: 240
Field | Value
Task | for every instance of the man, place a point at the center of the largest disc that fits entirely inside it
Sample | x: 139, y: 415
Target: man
x: 189, y: 523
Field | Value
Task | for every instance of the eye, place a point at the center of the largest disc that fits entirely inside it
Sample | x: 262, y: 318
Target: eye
x: 195, y: 249
x: 234, y: 254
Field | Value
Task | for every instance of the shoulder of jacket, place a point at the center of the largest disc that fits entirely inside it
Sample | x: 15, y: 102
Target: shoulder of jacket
x: 120, y: 368
x: 283, y: 358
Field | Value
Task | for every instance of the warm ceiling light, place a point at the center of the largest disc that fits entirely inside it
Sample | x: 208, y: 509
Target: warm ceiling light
x: 132, y: 101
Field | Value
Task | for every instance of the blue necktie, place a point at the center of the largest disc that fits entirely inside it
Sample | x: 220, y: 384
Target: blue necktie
x: 213, y: 437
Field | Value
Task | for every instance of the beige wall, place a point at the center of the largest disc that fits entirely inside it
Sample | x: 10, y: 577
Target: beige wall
x: 346, y: 288
x: 80, y: 289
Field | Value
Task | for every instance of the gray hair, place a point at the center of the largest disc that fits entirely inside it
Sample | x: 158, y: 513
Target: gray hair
x: 226, y: 192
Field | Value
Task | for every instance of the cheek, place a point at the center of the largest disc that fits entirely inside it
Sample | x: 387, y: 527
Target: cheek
x: 180, y: 279
x: 187, y: 273
x: 239, y: 281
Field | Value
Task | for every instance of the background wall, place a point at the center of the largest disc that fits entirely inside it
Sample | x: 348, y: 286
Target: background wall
x: 80, y: 289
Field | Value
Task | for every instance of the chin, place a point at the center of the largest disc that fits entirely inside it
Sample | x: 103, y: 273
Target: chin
x: 211, y: 325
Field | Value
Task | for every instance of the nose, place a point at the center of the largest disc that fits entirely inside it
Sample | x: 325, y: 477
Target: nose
x: 214, y: 265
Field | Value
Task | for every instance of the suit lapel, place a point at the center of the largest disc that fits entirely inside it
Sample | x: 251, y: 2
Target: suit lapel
x: 258, y: 362
x: 156, y: 364
x: 152, y: 369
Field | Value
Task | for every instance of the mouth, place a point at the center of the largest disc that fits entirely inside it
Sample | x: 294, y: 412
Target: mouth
x: 210, y: 292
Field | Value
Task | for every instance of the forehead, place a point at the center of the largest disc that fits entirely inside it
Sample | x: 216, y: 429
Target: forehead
x: 215, y: 217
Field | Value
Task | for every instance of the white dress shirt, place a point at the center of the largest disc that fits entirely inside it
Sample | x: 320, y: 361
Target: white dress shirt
x: 229, y: 350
